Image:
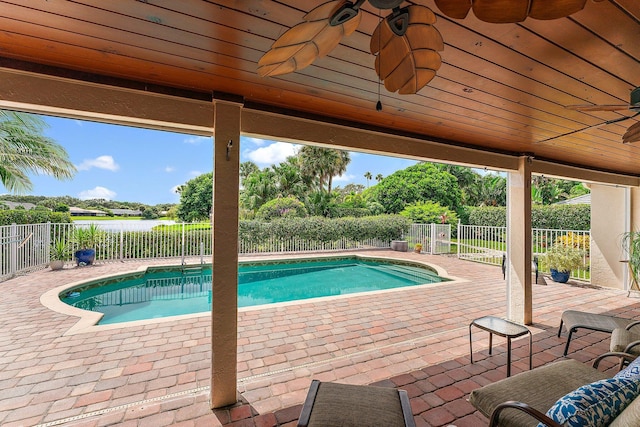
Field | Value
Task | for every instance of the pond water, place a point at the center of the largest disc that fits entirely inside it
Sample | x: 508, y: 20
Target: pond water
x: 127, y: 225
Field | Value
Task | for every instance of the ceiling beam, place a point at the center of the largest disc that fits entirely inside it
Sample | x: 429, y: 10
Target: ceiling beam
x: 45, y: 94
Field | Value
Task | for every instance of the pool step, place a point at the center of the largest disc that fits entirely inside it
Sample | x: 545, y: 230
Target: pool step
x: 410, y: 273
x: 192, y: 269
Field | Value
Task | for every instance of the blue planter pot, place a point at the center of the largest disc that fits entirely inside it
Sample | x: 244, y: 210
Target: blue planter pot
x: 85, y: 256
x: 560, y: 276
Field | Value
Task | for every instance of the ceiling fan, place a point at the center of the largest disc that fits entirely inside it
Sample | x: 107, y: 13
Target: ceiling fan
x: 405, y: 42
x: 633, y: 133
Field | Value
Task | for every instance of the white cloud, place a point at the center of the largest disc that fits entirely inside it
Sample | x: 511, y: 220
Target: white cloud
x: 195, y: 173
x: 255, y: 141
x: 344, y: 178
x: 197, y: 140
x: 100, y: 162
x: 169, y: 169
x: 272, y: 154
x: 97, y: 193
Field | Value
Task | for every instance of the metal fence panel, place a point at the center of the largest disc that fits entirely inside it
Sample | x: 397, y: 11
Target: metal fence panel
x: 488, y: 244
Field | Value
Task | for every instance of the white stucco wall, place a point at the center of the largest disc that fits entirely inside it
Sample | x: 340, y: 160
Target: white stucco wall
x: 609, y: 220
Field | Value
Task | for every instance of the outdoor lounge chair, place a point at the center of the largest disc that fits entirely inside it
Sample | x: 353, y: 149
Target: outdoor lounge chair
x: 331, y: 404
x: 523, y: 399
x: 574, y: 320
x: 625, y: 340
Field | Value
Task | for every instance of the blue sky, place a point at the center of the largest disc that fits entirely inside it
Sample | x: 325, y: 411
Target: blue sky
x: 139, y: 165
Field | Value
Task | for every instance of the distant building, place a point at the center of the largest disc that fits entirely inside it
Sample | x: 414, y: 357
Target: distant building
x: 585, y: 199
x: 126, y: 212
x: 75, y: 211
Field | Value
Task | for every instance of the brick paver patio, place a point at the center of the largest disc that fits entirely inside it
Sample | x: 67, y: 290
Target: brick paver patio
x: 157, y: 374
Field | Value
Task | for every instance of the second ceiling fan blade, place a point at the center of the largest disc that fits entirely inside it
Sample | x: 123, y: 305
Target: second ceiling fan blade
x: 607, y: 107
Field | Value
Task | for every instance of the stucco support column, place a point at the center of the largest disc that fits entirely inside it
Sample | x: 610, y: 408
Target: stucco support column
x: 224, y: 307
x: 519, y: 288
x: 610, y: 218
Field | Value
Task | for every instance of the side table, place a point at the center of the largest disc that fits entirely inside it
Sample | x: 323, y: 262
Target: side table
x: 504, y: 328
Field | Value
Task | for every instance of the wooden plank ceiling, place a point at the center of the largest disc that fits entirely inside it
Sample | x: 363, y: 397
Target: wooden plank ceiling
x: 501, y: 87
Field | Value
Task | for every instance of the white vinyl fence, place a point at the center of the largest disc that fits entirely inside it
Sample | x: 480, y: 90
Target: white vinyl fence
x: 488, y: 245
x: 26, y: 248
x: 435, y: 238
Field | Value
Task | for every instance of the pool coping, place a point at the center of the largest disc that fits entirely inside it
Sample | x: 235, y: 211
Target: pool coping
x: 87, y: 320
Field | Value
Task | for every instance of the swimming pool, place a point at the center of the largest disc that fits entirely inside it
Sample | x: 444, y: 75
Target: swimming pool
x: 171, y: 291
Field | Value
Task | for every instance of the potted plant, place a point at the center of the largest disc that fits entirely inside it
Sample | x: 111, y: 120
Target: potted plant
x: 86, y: 239
x: 631, y: 247
x: 417, y: 248
x: 59, y: 254
x: 561, y: 259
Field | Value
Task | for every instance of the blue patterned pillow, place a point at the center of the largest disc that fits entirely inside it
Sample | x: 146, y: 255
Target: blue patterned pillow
x: 595, y: 404
x: 631, y: 372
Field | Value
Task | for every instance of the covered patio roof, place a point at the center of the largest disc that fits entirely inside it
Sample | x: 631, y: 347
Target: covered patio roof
x: 502, y: 88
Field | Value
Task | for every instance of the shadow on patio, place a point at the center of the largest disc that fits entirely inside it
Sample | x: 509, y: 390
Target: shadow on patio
x: 416, y: 340
x: 158, y: 374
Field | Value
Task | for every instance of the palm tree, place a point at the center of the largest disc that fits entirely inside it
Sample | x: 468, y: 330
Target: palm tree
x: 322, y: 164
x: 24, y: 150
x: 367, y: 176
x: 379, y: 177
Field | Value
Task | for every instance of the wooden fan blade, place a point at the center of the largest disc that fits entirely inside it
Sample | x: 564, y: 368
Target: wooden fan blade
x: 457, y: 9
x: 632, y: 134
x: 501, y: 11
x: 606, y: 107
x: 510, y: 11
x: 407, y: 63
x: 299, y: 46
x: 555, y: 9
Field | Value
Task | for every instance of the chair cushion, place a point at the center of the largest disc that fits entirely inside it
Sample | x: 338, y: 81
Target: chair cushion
x: 630, y: 417
x: 631, y: 372
x: 620, y: 338
x: 539, y: 388
x: 595, y: 404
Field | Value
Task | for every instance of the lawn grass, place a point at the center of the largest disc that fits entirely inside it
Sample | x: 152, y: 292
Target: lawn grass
x: 187, y: 227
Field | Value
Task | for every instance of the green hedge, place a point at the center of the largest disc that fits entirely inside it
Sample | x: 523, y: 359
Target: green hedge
x: 341, y: 212
x: 560, y: 217
x: 259, y: 235
x: 320, y: 229
x: 33, y: 216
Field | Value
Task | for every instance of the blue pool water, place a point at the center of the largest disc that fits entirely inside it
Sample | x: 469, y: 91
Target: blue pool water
x: 162, y: 292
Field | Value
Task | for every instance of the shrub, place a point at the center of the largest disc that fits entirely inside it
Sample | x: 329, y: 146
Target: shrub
x: 429, y: 213
x: 345, y: 211
x: 324, y: 230
x: 34, y: 216
x: 563, y: 258
x: 492, y: 216
x: 285, y: 207
x: 559, y: 217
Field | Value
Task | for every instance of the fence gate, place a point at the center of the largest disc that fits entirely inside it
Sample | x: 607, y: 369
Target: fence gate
x: 435, y: 238
x: 23, y: 248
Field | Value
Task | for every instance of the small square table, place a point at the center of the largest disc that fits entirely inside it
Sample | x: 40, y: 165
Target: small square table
x: 504, y: 328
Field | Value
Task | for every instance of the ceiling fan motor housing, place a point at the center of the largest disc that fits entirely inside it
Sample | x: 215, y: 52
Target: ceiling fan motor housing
x: 385, y: 4
x: 635, y: 99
